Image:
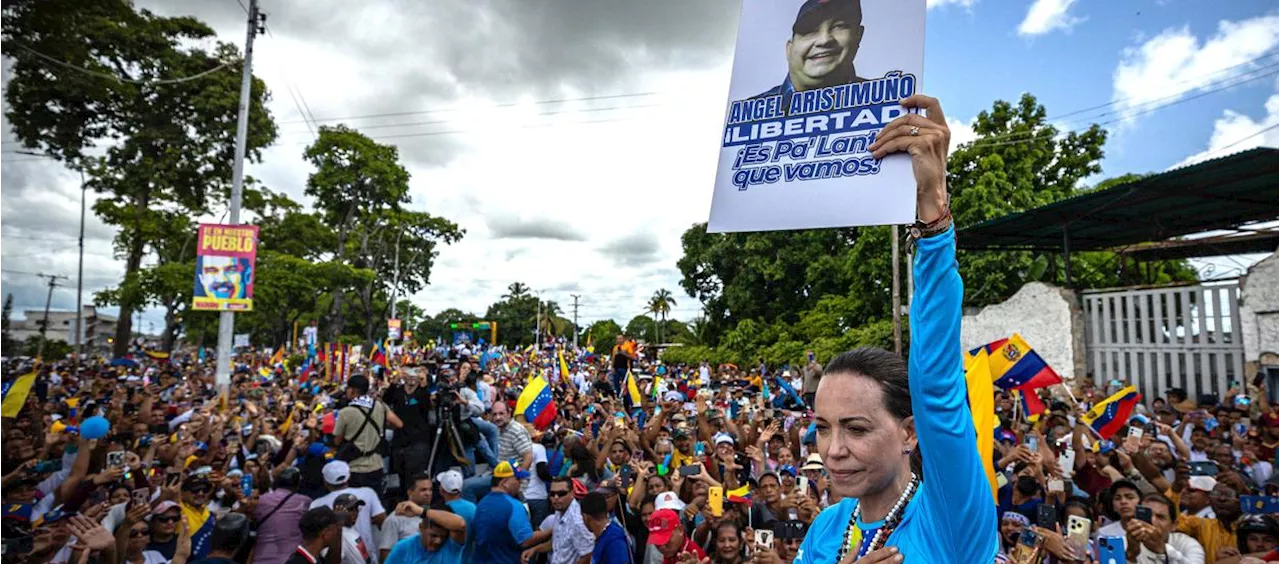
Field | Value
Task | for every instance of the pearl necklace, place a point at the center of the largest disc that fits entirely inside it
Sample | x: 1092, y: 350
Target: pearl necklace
x: 891, y: 521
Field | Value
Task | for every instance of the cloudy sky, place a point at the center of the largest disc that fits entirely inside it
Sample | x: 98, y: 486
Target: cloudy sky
x: 576, y: 140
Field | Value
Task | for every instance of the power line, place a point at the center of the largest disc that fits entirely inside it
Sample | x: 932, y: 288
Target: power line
x: 489, y: 106
x: 1241, y: 140
x: 118, y: 78
x: 288, y: 83
x: 548, y: 113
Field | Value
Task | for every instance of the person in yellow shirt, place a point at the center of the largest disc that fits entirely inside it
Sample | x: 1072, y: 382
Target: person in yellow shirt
x: 1214, y: 534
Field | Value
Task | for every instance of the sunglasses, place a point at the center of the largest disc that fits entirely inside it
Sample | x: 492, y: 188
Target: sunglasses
x: 200, y: 489
x: 136, y: 533
x: 559, y: 493
x: 166, y: 519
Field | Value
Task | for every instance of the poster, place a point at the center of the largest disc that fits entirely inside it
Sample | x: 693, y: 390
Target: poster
x: 225, y: 267
x: 240, y: 340
x: 393, y: 329
x: 814, y: 81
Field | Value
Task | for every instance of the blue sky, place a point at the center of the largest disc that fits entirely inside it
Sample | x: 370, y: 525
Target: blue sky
x: 592, y: 198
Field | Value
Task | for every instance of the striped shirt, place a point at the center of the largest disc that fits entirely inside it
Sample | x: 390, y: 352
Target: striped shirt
x: 514, y: 442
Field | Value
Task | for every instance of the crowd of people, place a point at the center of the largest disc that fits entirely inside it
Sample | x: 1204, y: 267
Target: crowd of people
x: 471, y: 453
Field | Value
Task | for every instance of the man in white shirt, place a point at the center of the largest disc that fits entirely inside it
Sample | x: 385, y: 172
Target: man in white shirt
x: 371, y: 513
x: 405, y: 523
x: 534, y: 489
x: 1156, y: 543
x: 571, y: 541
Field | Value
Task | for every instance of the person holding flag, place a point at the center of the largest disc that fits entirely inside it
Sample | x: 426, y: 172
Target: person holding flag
x: 896, y: 438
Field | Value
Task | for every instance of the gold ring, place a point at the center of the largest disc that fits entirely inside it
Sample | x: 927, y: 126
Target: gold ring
x: 915, y: 130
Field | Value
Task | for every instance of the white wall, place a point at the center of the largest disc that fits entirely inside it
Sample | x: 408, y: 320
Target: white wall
x: 1260, y: 309
x: 1046, y: 316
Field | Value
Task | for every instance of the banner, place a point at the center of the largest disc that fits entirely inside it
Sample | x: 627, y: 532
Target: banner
x: 225, y: 267
x: 393, y: 329
x: 240, y: 340
x: 814, y: 82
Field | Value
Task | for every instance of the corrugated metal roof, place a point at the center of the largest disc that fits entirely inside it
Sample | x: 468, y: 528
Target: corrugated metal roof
x: 1222, y: 193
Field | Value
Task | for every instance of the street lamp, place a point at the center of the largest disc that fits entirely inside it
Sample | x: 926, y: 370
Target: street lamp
x: 80, y: 332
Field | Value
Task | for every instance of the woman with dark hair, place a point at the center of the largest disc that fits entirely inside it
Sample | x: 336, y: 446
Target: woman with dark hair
x: 727, y: 544
x: 902, y: 452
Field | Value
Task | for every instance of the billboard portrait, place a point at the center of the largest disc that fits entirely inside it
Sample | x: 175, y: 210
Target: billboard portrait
x: 814, y: 82
x: 225, y: 257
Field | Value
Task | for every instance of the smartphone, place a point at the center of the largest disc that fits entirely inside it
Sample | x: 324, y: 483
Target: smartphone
x: 1077, y: 537
x: 17, y: 546
x: 171, y: 478
x: 764, y: 539
x: 1259, y: 504
x: 1111, y: 550
x: 1203, y: 468
x: 1025, y: 551
x: 690, y: 470
x: 1032, y: 443
x: 1067, y: 462
x: 1056, y: 486
x: 140, y: 496
x: 1142, y: 513
x: 699, y: 449
x: 1047, y: 516
x: 160, y: 429
x: 810, y: 356
x: 246, y: 484
x: 1135, y: 432
x: 144, y: 441
x: 802, y: 485
x: 715, y: 500
x: 115, y: 459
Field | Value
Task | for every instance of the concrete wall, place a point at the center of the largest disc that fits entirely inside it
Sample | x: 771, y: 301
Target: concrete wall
x: 1048, y: 317
x: 1260, y: 310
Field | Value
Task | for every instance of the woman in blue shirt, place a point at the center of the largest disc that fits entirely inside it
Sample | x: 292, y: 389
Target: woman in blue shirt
x: 901, y: 451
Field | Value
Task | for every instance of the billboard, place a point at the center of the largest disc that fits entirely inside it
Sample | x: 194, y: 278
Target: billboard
x: 393, y: 329
x: 225, y: 267
x: 814, y: 82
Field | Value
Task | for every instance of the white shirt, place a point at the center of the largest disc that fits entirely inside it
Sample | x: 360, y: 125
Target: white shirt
x: 1181, y: 549
x: 364, y: 521
x: 534, y: 487
x: 396, y: 528
x: 354, y: 550
x: 570, y: 539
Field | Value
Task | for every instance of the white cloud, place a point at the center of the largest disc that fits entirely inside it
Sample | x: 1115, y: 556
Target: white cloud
x: 1045, y: 16
x: 966, y: 4
x: 961, y: 132
x: 1235, y: 132
x: 1178, y: 62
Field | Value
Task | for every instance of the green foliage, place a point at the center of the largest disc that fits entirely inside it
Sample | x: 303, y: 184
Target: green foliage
x: 166, y: 147
x: 602, y: 334
x: 53, y: 349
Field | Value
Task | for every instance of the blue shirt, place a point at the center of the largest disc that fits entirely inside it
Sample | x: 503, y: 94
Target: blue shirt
x: 410, y: 551
x: 466, y: 510
x: 502, y: 523
x: 952, y: 517
x: 611, y: 547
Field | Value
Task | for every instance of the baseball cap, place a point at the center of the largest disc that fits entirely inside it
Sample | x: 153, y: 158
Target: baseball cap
x: 680, y: 433
x: 814, y: 11
x: 359, y: 382
x: 673, y: 395
x: 668, y: 500
x: 1202, y: 483
x: 506, y: 469
x: 336, y: 472
x: 450, y: 481
x: 347, y: 501
x: 814, y: 462
x: 722, y: 438
x: 165, y: 506
x: 662, y: 524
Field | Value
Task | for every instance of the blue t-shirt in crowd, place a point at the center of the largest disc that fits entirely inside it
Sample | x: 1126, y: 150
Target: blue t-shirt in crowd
x: 611, y: 547
x: 502, y: 523
x: 410, y: 551
x: 466, y: 510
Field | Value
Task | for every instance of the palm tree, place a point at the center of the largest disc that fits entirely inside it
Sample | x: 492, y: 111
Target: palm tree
x: 516, y: 291
x: 660, y: 305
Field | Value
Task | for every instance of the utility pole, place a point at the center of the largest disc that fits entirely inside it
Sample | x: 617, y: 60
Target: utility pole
x: 80, y: 332
x: 395, y: 277
x: 48, y: 300
x: 575, y: 319
x: 227, y: 319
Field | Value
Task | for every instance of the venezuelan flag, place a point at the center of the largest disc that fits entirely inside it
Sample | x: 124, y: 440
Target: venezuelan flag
x: 277, y: 358
x: 740, y: 495
x: 982, y: 407
x: 633, y: 391
x: 1014, y: 364
x: 536, y: 403
x: 15, y: 392
x: 378, y: 354
x: 1112, y: 413
x: 158, y: 355
x: 564, y: 368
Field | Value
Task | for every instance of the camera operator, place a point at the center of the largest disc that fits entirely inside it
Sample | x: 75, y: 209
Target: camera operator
x: 474, y: 409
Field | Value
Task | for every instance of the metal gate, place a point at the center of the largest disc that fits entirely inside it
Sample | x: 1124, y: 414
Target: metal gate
x: 1169, y: 337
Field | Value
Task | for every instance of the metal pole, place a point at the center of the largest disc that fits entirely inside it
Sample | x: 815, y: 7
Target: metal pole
x: 227, y: 319
x: 537, y: 325
x: 80, y: 332
x: 395, y: 277
x: 1066, y: 255
x: 44, y: 325
x: 575, y: 320
x: 897, y: 296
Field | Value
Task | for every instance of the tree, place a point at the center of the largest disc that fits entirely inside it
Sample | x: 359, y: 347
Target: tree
x: 660, y: 305
x: 515, y: 291
x: 601, y: 334
x: 166, y: 144
x: 642, y: 328
x: 356, y: 183
x: 7, y: 342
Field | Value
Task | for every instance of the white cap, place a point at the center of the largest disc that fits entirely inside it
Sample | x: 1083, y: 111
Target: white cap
x: 450, y: 481
x: 336, y: 472
x: 722, y: 438
x: 673, y: 395
x: 668, y: 500
x: 1202, y: 483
